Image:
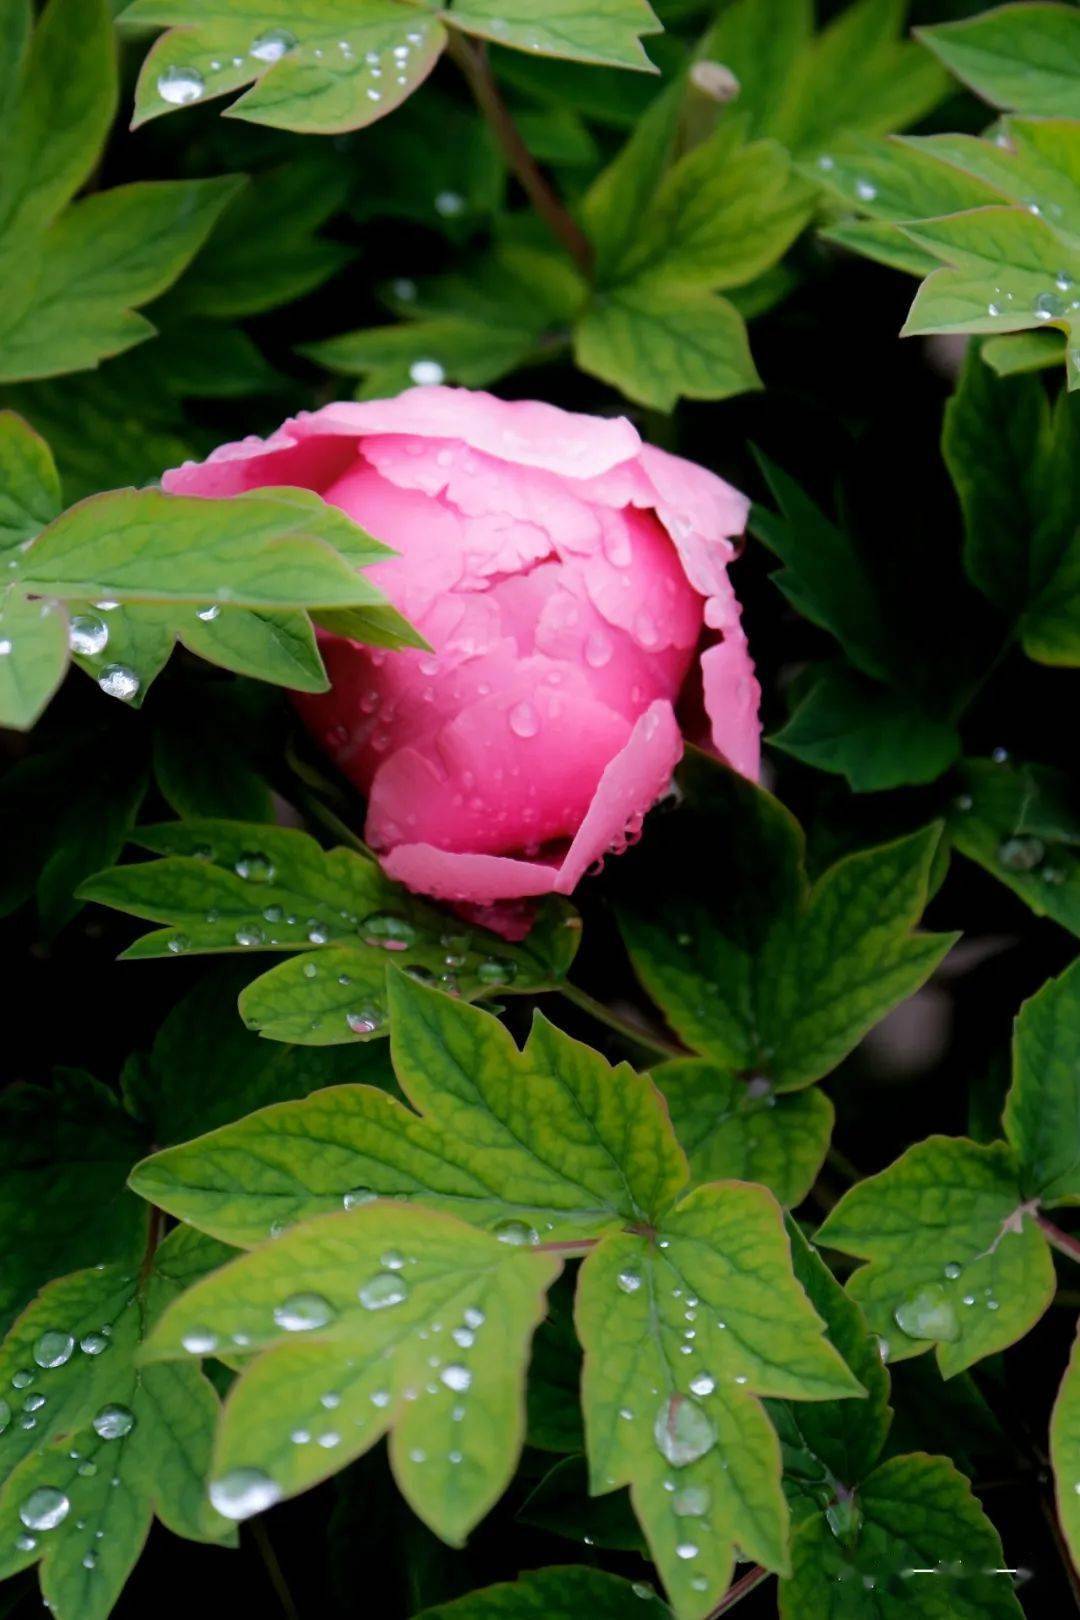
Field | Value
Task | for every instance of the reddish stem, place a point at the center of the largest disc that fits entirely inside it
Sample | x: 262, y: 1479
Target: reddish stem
x: 742, y: 1588
x: 1062, y: 1241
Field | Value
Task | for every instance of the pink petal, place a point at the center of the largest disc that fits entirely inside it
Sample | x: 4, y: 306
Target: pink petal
x: 479, y: 879
x: 632, y: 782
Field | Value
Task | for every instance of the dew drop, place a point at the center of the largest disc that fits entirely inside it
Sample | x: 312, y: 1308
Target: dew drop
x: 385, y: 1288
x: 179, y: 86
x: 516, y: 1233
x: 686, y: 1550
x: 523, y: 720
x: 682, y: 1431
x: 473, y: 1317
x: 54, y: 1348
x: 427, y: 373
x: 255, y: 867
x: 273, y: 45
x: 244, y: 1491
x: 598, y: 650
x: 113, y: 1422
x: 357, y: 1197
x: 87, y: 635
x: 364, y: 1022
x: 953, y: 1270
x: 691, y: 1502
x: 44, y: 1508
x: 456, y: 1377
x: 702, y: 1384
x: 1048, y: 306
x: 496, y: 970
x: 629, y: 1281
x: 210, y: 613
x: 865, y: 190
x: 248, y: 935
x: 302, y: 1312
x: 389, y: 931
x: 199, y: 1341
x: 929, y: 1314
x: 1021, y: 854
x: 117, y: 681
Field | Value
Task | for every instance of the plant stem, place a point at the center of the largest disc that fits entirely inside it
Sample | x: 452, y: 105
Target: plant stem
x: 273, y: 1569
x: 742, y: 1588
x: 622, y: 1026
x: 1051, y: 1517
x: 1060, y: 1240
x: 473, y: 62
x: 572, y: 1249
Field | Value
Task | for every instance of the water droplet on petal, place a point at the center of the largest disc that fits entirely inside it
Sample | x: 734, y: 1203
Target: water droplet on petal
x: 523, y: 719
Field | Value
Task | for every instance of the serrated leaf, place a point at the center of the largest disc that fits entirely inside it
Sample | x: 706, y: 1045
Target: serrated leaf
x: 1025, y: 57
x: 1065, y: 1451
x: 1019, y: 825
x: 1004, y: 272
x: 234, y: 886
x: 956, y: 1257
x: 29, y: 485
x: 65, y: 1153
x: 877, y: 738
x: 262, y: 549
x: 33, y: 656
x: 659, y: 345
x: 731, y: 1129
x: 555, y: 1594
x: 117, y: 1443
x: 678, y: 1418
x: 603, y: 31
x: 922, y: 1549
x: 843, y: 1437
x: 337, y: 67
x: 392, y: 1286
x: 206, y: 1070
x: 780, y: 983
x: 824, y: 575
x: 548, y: 1141
x: 1043, y: 1102
x: 62, y: 103
x: 83, y: 277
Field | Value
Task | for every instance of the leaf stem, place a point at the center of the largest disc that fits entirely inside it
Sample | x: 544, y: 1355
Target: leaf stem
x: 1051, y: 1516
x: 1062, y: 1241
x: 634, y: 1033
x: 273, y: 1568
x: 473, y: 62
x: 742, y: 1588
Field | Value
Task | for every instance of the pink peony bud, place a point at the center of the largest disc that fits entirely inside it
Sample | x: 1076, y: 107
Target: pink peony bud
x: 572, y: 583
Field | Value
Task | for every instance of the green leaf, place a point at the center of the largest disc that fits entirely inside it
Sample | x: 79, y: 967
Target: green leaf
x: 876, y: 738
x: 722, y: 216
x: 273, y: 547
x: 62, y: 104
x: 550, y: 1140
x: 845, y: 1440
x: 337, y: 66
x: 29, y: 485
x: 54, y: 838
x: 206, y: 1070
x: 604, y: 31
x: 733, y: 1129
x: 232, y: 886
x: 896, y: 179
x: 363, y: 1369
x: 921, y: 1549
x: 825, y: 577
x: 1045, y: 1095
x: 1018, y: 352
x: 1065, y: 1451
x: 555, y: 1594
x: 118, y: 1442
x: 457, y: 350
x: 1002, y: 440
x: 264, y: 251
x: 956, y: 1257
x: 81, y: 279
x: 778, y: 982
x: 624, y: 190
x: 65, y: 1153
x: 1035, y: 162
x: 658, y: 345
x: 1025, y: 57
x: 1005, y: 268
x: 686, y: 1431
x: 33, y: 656
x: 1018, y: 825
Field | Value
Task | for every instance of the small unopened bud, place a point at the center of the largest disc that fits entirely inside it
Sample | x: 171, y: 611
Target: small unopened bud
x: 716, y: 81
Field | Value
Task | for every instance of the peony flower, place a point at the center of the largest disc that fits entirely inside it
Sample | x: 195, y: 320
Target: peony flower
x: 572, y: 583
